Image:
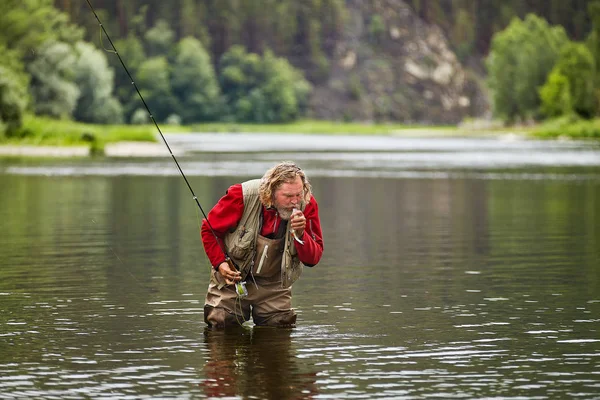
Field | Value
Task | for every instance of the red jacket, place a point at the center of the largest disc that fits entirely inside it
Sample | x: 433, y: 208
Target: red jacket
x: 226, y: 214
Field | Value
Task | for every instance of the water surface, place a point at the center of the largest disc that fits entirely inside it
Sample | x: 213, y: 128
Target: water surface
x: 453, y: 268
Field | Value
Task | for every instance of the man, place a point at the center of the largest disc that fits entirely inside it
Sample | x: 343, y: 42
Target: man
x: 257, y: 238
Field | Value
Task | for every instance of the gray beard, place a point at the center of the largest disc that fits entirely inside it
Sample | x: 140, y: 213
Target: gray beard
x: 284, y: 214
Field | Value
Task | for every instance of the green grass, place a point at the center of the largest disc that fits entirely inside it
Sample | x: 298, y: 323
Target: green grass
x: 316, y: 127
x: 52, y: 132
x: 569, y: 126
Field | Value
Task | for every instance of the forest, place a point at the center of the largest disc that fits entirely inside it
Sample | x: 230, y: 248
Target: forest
x: 262, y: 60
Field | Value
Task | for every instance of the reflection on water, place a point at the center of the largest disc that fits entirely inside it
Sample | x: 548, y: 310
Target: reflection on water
x: 479, y: 284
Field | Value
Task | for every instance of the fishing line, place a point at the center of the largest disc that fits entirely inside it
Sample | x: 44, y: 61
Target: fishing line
x: 158, y: 129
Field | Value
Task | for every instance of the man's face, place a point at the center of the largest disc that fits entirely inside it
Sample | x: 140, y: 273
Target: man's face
x: 288, y: 196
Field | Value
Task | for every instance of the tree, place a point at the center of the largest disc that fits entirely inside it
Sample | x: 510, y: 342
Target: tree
x: 26, y: 24
x: 95, y: 82
x: 159, y: 39
x: 576, y: 64
x: 556, y: 95
x: 593, y: 42
x: 262, y: 89
x: 519, y: 62
x: 52, y: 87
x: 13, y: 98
x: 194, y: 82
x: 132, y: 53
x: 155, y: 87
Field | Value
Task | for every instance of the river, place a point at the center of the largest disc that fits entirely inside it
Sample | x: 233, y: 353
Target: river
x: 453, y: 268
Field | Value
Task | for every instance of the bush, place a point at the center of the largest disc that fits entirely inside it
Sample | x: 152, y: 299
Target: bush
x: 173, y: 119
x: 556, y: 95
x: 262, y: 89
x: 95, y: 81
x: 54, y: 92
x: 13, y: 92
x: 155, y: 86
x: 140, y: 117
x: 576, y: 64
x: 520, y: 59
x: 571, y: 126
x: 194, y: 83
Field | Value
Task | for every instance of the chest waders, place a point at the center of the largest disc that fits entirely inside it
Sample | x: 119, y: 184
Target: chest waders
x: 269, y: 266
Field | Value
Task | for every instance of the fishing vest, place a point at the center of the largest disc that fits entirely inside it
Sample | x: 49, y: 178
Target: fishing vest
x: 241, y: 243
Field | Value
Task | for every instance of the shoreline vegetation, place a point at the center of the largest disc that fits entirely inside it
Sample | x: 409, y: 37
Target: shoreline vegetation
x: 46, y: 137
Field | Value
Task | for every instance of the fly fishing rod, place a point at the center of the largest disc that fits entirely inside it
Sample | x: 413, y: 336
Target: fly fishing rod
x: 114, y: 50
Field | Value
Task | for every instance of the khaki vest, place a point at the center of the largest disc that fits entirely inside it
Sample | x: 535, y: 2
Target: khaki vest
x: 241, y: 243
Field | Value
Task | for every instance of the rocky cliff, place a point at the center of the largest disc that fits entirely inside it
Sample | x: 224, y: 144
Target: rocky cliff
x: 391, y: 66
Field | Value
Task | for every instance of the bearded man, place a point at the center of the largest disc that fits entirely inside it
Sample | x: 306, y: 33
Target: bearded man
x: 258, y: 237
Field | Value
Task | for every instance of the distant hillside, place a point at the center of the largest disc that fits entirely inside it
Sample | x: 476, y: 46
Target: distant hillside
x: 377, y: 60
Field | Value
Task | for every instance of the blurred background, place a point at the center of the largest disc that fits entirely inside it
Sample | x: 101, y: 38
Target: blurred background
x: 423, y: 62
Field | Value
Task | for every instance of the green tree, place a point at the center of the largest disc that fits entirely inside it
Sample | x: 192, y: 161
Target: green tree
x: 159, y: 39
x: 154, y: 84
x: 26, y: 24
x: 519, y: 62
x: 132, y: 53
x: 194, y: 82
x: 556, y: 95
x: 593, y: 42
x: 262, y: 89
x: 576, y: 63
x: 13, y: 100
x: 239, y: 72
x: 95, y: 81
x: 52, y: 87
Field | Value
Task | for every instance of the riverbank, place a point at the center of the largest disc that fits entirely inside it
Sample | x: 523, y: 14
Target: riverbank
x: 45, y: 137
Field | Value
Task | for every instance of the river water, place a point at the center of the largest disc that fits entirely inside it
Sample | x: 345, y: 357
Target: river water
x: 453, y: 268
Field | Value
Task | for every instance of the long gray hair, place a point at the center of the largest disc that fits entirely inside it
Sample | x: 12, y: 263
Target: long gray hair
x: 284, y: 172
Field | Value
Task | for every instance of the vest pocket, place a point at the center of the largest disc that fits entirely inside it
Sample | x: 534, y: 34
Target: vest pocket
x: 267, y: 262
x: 242, y: 244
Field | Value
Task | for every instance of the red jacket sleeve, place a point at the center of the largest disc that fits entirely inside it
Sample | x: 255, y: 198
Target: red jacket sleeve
x: 223, y: 217
x: 311, y: 251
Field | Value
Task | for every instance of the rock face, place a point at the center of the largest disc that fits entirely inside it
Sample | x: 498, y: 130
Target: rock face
x: 392, y: 66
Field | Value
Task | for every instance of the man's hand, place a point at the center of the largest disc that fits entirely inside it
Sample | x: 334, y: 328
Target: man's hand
x: 298, y: 221
x: 231, y: 276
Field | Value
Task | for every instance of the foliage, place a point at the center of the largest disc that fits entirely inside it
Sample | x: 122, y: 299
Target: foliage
x: 262, y: 89
x: 13, y: 101
x: 519, y: 62
x: 95, y: 82
x: 556, y: 95
x: 194, y: 83
x: 34, y: 38
x: 593, y: 42
x: 49, y: 131
x: 159, y: 39
x: 52, y: 86
x: 13, y: 92
x: 133, y: 55
x: 155, y: 87
x: 26, y: 24
x: 571, y: 126
x: 140, y: 117
x: 576, y: 63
